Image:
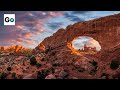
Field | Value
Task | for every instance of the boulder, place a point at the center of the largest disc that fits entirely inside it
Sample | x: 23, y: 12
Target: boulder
x: 50, y: 76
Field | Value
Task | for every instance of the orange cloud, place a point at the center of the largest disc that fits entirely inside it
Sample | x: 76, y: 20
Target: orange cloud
x: 19, y: 39
x: 28, y: 34
x: 28, y: 42
x: 19, y: 27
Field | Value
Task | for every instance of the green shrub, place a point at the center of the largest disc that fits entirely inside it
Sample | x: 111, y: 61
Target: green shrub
x: 9, y: 68
x: 3, y: 75
x: 81, y: 69
x: 33, y: 60
x: 105, y: 74
x: 38, y: 65
x: 94, y: 63
x: 43, y: 59
x: 114, y: 64
x: 56, y: 64
x: 41, y: 75
x: 53, y: 53
x: 14, y: 75
x: 93, y: 71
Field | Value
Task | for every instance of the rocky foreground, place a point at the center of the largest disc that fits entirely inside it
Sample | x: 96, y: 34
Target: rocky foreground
x: 55, y: 64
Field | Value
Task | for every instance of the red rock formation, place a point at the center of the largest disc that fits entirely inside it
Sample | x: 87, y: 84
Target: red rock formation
x: 2, y: 48
x: 105, y: 30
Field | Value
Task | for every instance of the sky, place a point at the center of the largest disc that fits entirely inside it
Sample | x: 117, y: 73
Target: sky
x: 32, y: 27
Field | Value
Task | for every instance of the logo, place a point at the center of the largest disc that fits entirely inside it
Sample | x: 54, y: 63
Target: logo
x: 9, y: 19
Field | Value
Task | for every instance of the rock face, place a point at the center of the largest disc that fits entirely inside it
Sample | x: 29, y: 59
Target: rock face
x: 105, y: 30
x: 50, y: 77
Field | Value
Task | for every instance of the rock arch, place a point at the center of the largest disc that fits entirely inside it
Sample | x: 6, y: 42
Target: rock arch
x: 105, y: 30
x: 81, y: 46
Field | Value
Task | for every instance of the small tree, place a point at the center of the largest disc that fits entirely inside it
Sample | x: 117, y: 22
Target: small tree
x: 40, y: 75
x: 114, y: 64
x: 105, y: 74
x: 38, y: 65
x: 3, y: 75
x: 14, y: 75
x: 9, y: 68
x: 94, y: 63
x: 33, y: 60
x: 55, y: 64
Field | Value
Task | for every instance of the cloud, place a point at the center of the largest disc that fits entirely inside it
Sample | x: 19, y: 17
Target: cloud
x: 28, y: 24
x: 68, y: 15
x: 80, y: 12
x: 28, y: 42
x: 26, y: 34
x: 76, y: 19
x: 73, y: 17
x: 19, y: 39
x: 55, y: 25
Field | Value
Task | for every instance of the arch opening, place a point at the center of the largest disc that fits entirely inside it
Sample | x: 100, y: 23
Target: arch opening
x: 84, y: 45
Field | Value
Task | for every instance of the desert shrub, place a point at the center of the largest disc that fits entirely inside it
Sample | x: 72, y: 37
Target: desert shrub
x: 38, y: 65
x: 93, y: 62
x: 81, y: 69
x: 53, y: 53
x: 93, y: 71
x: 47, y: 50
x: 49, y: 70
x: 9, y: 68
x: 33, y: 60
x: 43, y: 59
x: 41, y: 75
x: 3, y: 75
x: 105, y: 74
x: 14, y: 75
x: 55, y: 64
x: 114, y: 64
x: 116, y: 76
x: 96, y: 67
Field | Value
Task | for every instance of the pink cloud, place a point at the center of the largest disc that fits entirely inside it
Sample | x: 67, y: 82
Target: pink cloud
x: 28, y: 42
x: 28, y: 34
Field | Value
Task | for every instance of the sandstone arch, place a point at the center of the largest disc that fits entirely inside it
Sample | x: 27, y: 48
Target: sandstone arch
x: 105, y: 30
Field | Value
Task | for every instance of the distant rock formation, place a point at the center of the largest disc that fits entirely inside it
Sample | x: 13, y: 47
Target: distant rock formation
x: 86, y: 49
x: 2, y: 48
